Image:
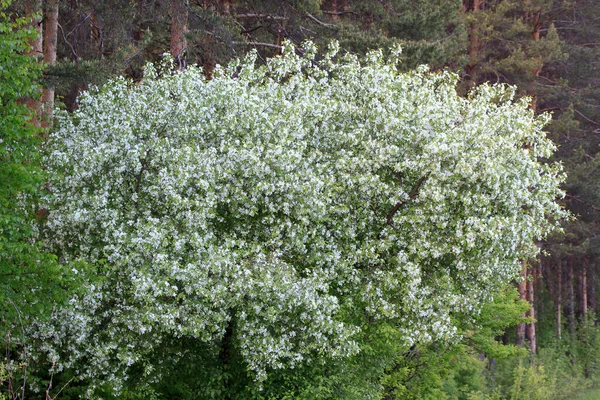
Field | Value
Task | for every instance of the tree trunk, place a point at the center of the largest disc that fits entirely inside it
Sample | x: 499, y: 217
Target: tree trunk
x: 96, y: 34
x: 179, y: 30
x: 474, y: 45
x: 225, y: 6
x: 559, y: 301
x: 592, y: 294
x: 535, y: 35
x: 530, y: 331
x: 33, y: 8
x: 522, y: 288
x: 584, y: 290
x: 50, y: 38
x: 571, y: 299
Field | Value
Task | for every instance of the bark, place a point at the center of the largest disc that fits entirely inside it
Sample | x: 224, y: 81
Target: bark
x: 559, y: 304
x: 571, y: 299
x: 96, y: 35
x: 592, y: 292
x: 50, y: 39
x: 33, y: 8
x: 535, y: 35
x: 179, y: 30
x: 225, y: 6
x: 474, y: 45
x: 522, y: 288
x: 530, y: 331
x: 337, y: 8
x: 584, y: 294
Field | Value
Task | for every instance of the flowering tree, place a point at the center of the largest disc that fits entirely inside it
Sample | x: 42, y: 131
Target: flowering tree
x: 266, y: 215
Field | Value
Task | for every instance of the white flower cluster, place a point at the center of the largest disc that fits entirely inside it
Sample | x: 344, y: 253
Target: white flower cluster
x: 289, y: 200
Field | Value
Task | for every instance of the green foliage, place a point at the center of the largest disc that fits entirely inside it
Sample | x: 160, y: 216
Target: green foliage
x: 31, y: 279
x: 495, y: 317
x: 25, y: 269
x: 532, y: 382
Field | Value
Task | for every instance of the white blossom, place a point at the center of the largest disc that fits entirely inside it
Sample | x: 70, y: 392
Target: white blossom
x: 284, y: 196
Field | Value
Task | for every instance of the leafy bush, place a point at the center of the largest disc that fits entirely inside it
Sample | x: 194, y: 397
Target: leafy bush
x: 272, y: 218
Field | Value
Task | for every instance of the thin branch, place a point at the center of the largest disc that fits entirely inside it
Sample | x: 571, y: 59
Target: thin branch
x: 66, y: 41
x: 247, y: 31
x: 330, y: 26
x: 337, y: 12
x: 412, y: 195
x: 24, y: 347
x: 265, y: 16
x: 62, y: 388
x: 587, y: 119
x: 577, y: 199
x: 79, y: 23
x: 275, y: 46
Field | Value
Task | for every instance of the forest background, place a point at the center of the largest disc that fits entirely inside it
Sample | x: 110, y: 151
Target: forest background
x: 549, y: 49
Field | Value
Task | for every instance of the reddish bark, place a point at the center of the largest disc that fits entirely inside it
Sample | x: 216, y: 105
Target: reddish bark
x: 50, y: 39
x: 179, y: 30
x: 530, y: 329
x: 522, y: 288
x: 474, y: 44
x: 571, y: 294
x: 559, y: 301
x: 33, y: 8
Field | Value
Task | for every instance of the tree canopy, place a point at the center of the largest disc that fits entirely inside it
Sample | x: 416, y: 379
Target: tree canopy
x: 271, y: 214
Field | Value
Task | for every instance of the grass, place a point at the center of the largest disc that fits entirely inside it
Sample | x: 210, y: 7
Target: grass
x: 591, y: 395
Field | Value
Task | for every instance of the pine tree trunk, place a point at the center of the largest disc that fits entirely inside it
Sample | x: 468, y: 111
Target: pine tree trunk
x: 33, y: 8
x: 535, y: 35
x: 474, y: 45
x: 522, y: 288
x: 559, y: 301
x: 96, y: 35
x: 225, y: 6
x: 571, y: 299
x: 530, y: 331
x: 50, y: 39
x: 584, y: 290
x: 592, y: 293
x: 179, y: 29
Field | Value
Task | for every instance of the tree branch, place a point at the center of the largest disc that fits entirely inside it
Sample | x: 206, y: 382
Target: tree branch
x: 263, y: 44
x: 412, y: 195
x: 587, y: 119
x: 265, y: 16
x: 330, y: 26
x: 337, y: 12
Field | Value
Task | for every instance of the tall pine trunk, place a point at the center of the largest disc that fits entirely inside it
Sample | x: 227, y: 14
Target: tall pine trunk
x: 50, y: 39
x: 474, y: 43
x: 179, y: 30
x: 530, y: 329
x: 559, y: 304
x: 584, y: 292
x: 33, y: 8
x: 571, y: 299
x: 522, y: 288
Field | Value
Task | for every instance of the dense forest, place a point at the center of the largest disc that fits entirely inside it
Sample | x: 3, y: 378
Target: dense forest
x: 312, y: 199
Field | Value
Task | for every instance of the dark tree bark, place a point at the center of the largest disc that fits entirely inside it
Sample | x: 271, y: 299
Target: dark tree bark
x: 571, y: 288
x: 474, y: 43
x: 530, y: 329
x: 179, y: 30
x: 33, y: 8
x: 584, y: 291
x: 522, y: 288
x: 50, y: 39
x: 558, y: 297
